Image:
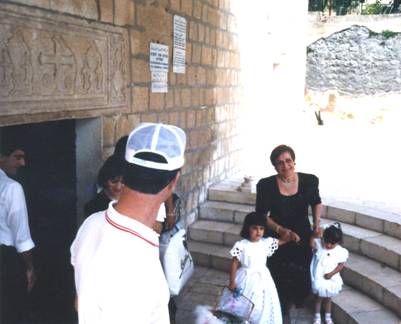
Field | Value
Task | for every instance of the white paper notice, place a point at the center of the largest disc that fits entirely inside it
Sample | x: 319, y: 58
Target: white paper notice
x: 158, y: 62
x: 180, y: 40
x: 159, y: 81
x: 158, y: 57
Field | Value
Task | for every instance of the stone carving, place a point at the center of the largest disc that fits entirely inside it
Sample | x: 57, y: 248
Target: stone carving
x: 51, y: 65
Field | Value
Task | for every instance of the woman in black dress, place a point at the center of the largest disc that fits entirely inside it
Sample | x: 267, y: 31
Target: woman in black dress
x: 286, y: 198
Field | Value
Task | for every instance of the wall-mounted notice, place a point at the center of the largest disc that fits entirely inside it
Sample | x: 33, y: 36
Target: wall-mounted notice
x: 158, y: 62
x: 180, y: 41
x: 158, y: 57
x: 159, y: 81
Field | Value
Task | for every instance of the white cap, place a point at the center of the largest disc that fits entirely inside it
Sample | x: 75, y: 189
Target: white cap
x: 162, y: 139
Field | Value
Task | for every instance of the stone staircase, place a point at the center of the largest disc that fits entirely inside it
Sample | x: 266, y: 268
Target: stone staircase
x: 373, y: 271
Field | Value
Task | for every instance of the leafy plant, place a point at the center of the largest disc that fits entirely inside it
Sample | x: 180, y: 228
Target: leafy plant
x: 374, y: 8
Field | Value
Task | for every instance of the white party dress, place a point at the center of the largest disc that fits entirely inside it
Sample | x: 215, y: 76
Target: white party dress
x: 255, y: 281
x: 325, y: 261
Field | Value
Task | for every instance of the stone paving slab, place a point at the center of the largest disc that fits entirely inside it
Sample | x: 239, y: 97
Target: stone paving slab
x: 204, y: 289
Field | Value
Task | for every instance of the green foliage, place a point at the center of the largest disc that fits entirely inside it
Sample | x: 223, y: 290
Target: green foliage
x: 374, y: 8
x: 388, y: 33
x: 385, y: 33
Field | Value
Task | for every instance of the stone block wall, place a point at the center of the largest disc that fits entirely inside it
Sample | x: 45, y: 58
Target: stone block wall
x: 204, y: 101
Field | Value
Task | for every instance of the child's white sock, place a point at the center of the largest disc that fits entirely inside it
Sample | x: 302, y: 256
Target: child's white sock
x: 328, y: 316
x: 317, y: 316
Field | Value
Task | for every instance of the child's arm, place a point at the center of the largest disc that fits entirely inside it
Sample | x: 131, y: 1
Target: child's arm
x: 339, y: 267
x: 316, y: 234
x: 235, y: 264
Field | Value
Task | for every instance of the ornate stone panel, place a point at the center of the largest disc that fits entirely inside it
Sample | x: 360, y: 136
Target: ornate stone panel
x: 51, y: 62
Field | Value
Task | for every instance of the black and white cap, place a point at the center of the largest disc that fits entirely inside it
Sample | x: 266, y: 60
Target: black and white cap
x: 165, y: 140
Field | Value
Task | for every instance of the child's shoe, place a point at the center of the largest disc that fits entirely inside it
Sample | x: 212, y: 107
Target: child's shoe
x: 328, y: 319
x: 317, y: 319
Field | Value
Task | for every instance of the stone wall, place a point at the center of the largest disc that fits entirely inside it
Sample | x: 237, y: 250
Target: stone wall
x: 355, y: 61
x: 323, y: 26
x: 107, y: 42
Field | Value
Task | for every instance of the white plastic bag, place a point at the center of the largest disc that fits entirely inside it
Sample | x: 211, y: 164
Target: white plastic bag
x: 177, y: 262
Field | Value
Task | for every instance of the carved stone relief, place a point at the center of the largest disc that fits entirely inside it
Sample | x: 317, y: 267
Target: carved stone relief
x: 55, y: 63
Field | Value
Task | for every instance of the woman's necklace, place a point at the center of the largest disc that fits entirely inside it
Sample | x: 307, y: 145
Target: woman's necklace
x: 288, y: 182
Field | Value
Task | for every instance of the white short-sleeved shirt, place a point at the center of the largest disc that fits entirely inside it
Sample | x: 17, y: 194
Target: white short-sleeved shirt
x: 118, y: 275
x: 14, y: 225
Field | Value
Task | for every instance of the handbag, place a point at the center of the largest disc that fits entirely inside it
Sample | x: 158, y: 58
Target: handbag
x: 176, y: 260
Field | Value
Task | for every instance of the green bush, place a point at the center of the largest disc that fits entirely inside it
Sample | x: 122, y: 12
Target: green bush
x: 374, y: 8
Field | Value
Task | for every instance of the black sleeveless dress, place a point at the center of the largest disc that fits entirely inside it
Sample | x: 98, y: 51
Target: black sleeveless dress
x: 289, y: 265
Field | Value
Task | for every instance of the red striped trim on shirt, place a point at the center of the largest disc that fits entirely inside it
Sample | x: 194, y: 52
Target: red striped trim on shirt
x: 128, y: 230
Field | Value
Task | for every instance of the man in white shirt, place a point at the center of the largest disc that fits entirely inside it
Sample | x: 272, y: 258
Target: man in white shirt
x: 17, y: 276
x: 118, y: 275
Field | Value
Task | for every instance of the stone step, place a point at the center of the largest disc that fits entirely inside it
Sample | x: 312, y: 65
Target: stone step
x: 350, y: 306
x: 381, y: 221
x: 379, y: 282
x: 377, y: 246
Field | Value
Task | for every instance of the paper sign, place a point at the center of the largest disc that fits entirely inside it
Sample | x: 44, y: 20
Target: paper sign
x: 180, y: 40
x: 158, y: 57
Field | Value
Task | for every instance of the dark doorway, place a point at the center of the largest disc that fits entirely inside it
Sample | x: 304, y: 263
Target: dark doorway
x: 49, y: 181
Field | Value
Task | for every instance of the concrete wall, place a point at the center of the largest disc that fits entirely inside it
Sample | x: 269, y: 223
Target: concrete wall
x: 204, y: 101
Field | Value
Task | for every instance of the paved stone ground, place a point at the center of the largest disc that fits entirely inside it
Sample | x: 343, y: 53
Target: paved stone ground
x: 204, y: 288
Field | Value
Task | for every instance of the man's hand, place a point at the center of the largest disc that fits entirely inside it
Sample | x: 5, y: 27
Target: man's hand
x: 30, y: 278
x: 328, y: 276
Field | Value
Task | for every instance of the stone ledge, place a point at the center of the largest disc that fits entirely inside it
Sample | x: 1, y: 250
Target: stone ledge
x: 350, y: 307
x: 385, y: 222
x: 374, y: 280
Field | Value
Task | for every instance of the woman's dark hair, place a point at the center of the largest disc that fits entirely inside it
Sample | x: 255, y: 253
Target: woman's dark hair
x: 119, y: 148
x: 113, y: 167
x: 277, y: 151
x: 333, y: 234
x: 254, y: 218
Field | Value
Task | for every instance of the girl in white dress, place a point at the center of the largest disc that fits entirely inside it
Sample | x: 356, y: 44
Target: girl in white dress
x: 327, y: 262
x: 249, y: 274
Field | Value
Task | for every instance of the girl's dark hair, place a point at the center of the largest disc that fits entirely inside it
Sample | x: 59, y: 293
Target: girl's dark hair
x: 333, y: 234
x: 277, y: 151
x: 254, y: 218
x: 113, y: 167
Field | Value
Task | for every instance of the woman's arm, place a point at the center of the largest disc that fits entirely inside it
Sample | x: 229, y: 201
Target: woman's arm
x: 284, y: 233
x: 316, y: 213
x: 337, y: 269
x: 235, y: 264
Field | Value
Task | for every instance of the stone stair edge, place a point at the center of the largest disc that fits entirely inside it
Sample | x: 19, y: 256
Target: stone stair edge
x: 381, y: 283
x: 366, y: 217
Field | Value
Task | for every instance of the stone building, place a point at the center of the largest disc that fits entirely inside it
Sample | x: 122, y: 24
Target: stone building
x: 75, y: 77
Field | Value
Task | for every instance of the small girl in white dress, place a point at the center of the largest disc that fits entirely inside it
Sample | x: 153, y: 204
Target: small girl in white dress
x: 249, y: 274
x: 327, y: 262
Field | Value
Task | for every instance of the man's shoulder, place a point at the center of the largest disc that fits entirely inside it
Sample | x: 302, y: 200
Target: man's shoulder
x: 10, y: 185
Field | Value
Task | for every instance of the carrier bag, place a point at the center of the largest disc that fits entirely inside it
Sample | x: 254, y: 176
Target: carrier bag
x: 176, y: 260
